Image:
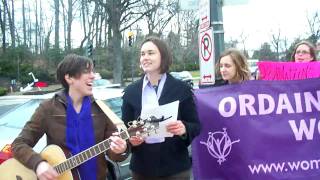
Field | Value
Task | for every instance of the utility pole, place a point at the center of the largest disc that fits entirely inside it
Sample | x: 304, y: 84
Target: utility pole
x: 218, y: 31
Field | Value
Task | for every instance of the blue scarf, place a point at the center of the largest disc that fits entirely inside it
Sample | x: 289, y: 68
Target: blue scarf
x: 80, y: 136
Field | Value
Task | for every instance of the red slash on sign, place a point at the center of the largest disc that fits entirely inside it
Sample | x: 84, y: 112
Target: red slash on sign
x: 206, y: 47
x: 204, y: 18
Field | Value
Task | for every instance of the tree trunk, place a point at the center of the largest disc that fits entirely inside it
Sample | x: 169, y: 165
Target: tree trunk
x: 12, y: 25
x: 64, y: 17
x: 24, y: 24
x: 56, y: 24
x: 11, y: 21
x: 70, y: 18
x: 117, y: 56
x: 115, y: 16
x: 36, y: 29
x: 3, y: 27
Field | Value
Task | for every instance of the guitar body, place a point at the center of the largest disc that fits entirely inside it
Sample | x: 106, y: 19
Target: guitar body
x: 12, y: 169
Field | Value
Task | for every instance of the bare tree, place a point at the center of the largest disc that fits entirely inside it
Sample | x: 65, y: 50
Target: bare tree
x: 11, y: 21
x: 243, y: 38
x: 88, y: 21
x: 122, y: 14
x: 276, y: 42
x: 314, y: 25
x: 159, y: 13
x: 68, y: 16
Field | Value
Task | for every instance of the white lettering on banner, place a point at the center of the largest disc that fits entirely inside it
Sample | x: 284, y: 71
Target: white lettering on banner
x: 247, y: 100
x: 233, y: 107
x: 266, y: 104
x: 304, y: 129
x: 265, y: 98
x: 311, y: 100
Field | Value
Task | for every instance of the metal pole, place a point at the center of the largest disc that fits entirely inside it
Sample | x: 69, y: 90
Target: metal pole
x: 218, y: 31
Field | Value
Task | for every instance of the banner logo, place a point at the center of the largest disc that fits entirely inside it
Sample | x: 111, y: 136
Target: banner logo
x: 219, y: 145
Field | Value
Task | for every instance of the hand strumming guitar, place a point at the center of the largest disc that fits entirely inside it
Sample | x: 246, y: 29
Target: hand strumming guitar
x: 46, y: 172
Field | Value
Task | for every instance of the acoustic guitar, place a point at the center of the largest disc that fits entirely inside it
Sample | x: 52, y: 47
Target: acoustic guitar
x: 12, y: 169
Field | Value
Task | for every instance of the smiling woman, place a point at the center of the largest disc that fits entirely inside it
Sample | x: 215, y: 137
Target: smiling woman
x: 20, y: 109
x: 61, y: 118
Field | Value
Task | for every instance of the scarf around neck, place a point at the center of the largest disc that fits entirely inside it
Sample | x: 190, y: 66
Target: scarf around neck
x: 80, y: 135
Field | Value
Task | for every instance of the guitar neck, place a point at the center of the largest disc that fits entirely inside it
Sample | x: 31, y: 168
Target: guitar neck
x: 87, y: 154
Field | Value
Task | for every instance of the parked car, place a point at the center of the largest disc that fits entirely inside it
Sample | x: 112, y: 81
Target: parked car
x: 184, y: 76
x: 17, y: 113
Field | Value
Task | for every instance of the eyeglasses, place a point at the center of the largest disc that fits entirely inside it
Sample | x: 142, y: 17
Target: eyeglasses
x: 302, y: 52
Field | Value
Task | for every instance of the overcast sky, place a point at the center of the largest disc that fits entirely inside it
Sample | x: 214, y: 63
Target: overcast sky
x: 259, y: 19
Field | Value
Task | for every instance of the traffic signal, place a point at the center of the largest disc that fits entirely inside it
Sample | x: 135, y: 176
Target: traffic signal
x: 130, y: 36
x: 89, y: 50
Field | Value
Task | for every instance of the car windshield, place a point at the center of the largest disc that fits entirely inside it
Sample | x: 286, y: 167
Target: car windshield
x: 9, y: 104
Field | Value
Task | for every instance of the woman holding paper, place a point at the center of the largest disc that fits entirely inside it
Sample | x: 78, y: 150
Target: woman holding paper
x: 304, y: 51
x: 233, y: 66
x: 160, y: 157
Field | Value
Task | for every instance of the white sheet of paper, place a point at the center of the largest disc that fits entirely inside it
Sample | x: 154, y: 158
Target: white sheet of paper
x: 166, y: 110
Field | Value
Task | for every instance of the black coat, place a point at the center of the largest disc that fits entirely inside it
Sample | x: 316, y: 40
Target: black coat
x: 171, y: 156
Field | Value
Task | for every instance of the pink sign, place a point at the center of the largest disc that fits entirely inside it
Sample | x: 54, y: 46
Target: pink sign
x: 288, y: 70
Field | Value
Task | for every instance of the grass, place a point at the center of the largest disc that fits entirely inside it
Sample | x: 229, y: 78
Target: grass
x: 195, y: 73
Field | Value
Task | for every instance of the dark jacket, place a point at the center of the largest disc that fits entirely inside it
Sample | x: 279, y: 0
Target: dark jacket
x: 171, y: 156
x: 50, y: 119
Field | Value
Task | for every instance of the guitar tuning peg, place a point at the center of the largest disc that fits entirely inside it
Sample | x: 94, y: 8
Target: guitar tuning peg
x: 138, y: 133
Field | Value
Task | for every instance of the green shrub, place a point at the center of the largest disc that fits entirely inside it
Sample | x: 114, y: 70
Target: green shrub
x: 105, y: 74
x: 3, y: 91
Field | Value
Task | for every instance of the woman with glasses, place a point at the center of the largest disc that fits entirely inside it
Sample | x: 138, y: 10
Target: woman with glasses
x: 304, y: 51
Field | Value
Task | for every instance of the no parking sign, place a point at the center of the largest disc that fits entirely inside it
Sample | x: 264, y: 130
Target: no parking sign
x: 206, y: 57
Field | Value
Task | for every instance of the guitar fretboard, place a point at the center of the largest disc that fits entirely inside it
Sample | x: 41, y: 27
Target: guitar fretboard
x: 87, y: 154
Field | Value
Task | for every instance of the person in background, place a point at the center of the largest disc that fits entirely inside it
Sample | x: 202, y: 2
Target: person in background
x: 160, y: 158
x: 304, y: 51
x: 233, y: 66
x: 72, y: 120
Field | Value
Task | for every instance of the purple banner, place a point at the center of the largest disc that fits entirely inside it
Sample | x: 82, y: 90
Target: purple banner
x: 259, y: 130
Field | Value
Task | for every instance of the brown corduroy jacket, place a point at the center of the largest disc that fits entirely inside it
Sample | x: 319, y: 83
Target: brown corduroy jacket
x: 50, y: 119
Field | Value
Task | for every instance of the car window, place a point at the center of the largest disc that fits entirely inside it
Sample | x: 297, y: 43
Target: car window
x: 8, y: 104
x: 115, y: 105
x: 18, y: 116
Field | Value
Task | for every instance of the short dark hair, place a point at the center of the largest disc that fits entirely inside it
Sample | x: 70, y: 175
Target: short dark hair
x: 73, y: 65
x: 312, y: 49
x: 165, y: 52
